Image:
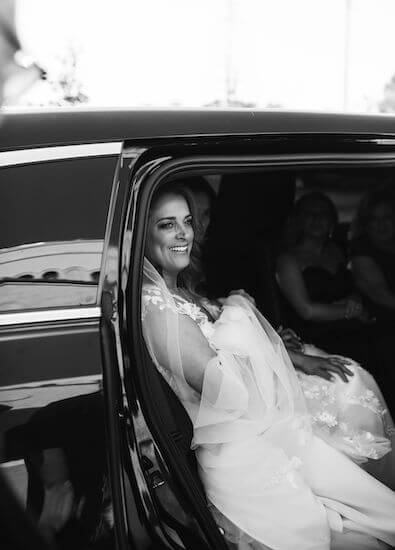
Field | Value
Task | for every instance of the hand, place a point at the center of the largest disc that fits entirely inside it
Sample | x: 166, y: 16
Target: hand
x: 326, y: 367
x: 353, y: 308
x: 241, y: 292
x: 290, y: 339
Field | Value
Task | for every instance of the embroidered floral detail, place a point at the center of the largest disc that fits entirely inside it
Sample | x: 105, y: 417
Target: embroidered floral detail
x: 390, y: 431
x: 195, y: 313
x: 192, y: 310
x: 321, y: 392
x: 362, y: 443
x: 368, y: 400
x: 285, y: 473
x: 154, y: 296
x: 325, y: 417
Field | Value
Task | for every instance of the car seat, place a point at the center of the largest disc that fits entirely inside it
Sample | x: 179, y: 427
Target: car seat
x: 250, y: 212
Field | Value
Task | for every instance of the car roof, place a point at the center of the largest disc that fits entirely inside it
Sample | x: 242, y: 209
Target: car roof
x: 61, y: 126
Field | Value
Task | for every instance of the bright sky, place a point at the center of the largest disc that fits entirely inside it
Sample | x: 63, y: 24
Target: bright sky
x: 176, y: 52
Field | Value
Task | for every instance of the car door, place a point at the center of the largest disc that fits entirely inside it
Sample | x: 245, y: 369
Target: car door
x: 55, y: 202
x: 160, y: 506
x: 152, y: 429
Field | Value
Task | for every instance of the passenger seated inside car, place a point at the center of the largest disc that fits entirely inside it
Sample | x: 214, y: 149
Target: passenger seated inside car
x: 320, y: 300
x: 373, y: 253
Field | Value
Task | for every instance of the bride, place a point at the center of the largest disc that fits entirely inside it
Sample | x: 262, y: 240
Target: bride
x: 279, y: 453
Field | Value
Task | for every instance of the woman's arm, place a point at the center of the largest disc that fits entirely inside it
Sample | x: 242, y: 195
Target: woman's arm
x: 290, y: 280
x: 185, y: 344
x: 371, y: 282
x: 185, y: 353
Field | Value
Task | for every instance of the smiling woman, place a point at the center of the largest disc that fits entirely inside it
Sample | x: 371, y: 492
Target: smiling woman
x: 171, y: 247
x: 170, y: 234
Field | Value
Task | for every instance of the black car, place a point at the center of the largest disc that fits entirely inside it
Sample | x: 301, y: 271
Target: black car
x: 86, y: 421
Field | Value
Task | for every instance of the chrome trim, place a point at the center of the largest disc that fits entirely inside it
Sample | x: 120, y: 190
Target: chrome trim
x: 86, y: 380
x: 12, y: 463
x: 42, y: 154
x: 49, y: 315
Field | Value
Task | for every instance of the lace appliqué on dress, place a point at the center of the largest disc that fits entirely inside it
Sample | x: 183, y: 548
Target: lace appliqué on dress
x: 153, y: 295
x: 328, y: 409
x: 368, y: 400
x: 287, y: 473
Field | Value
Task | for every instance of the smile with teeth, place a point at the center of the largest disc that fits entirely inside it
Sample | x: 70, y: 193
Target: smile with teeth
x: 179, y: 249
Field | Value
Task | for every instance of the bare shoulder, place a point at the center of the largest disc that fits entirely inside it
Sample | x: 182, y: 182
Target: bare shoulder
x: 289, y: 260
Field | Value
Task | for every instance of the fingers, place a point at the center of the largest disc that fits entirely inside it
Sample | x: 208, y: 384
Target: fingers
x: 293, y: 333
x: 290, y: 338
x: 323, y: 373
x: 341, y: 363
x: 338, y: 370
x: 341, y: 370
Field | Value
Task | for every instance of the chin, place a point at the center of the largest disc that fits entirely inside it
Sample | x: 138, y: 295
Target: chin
x: 183, y: 264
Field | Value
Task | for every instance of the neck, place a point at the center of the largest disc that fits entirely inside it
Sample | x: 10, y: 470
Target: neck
x: 170, y: 280
x: 313, y: 245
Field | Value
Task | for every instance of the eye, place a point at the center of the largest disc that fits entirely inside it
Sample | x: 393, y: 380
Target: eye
x: 166, y: 225
x: 189, y: 220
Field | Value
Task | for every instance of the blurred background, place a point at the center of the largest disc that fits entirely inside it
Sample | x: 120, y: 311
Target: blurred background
x: 332, y: 55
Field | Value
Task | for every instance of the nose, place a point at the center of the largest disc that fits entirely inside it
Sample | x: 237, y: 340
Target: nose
x: 180, y: 232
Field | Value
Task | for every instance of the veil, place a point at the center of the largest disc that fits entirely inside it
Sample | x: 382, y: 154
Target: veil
x: 249, y: 384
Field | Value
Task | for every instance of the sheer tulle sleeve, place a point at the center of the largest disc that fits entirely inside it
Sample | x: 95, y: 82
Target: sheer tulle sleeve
x: 235, y: 379
x: 209, y: 383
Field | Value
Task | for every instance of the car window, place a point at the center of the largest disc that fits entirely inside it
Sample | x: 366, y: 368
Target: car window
x: 52, y: 224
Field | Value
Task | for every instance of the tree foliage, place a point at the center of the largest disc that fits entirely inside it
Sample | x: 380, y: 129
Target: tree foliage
x: 387, y: 104
x: 67, y: 88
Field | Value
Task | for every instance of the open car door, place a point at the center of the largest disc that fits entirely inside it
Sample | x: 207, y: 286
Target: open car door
x: 158, y: 498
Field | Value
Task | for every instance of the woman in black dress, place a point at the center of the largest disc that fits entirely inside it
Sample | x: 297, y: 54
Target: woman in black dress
x: 373, y: 253
x: 319, y: 297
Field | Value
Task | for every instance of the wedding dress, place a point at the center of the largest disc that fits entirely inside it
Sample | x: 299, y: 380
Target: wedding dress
x: 278, y: 453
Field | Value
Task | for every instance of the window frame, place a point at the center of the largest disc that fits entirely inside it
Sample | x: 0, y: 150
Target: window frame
x: 40, y: 155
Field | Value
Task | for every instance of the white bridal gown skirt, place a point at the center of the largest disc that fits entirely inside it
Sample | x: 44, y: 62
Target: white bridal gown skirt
x: 320, y: 501
x: 290, y: 485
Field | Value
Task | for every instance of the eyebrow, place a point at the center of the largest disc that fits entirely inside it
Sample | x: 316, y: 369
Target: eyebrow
x: 166, y: 218
x: 173, y: 218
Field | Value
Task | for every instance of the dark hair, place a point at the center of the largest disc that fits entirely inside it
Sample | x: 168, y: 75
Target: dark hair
x: 192, y: 275
x: 200, y: 185
x: 293, y: 230
x: 381, y: 195
x: 192, y: 186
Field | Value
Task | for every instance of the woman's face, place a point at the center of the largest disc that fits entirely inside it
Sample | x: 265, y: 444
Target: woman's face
x: 317, y: 219
x: 380, y: 224
x: 203, y: 207
x: 170, y: 234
